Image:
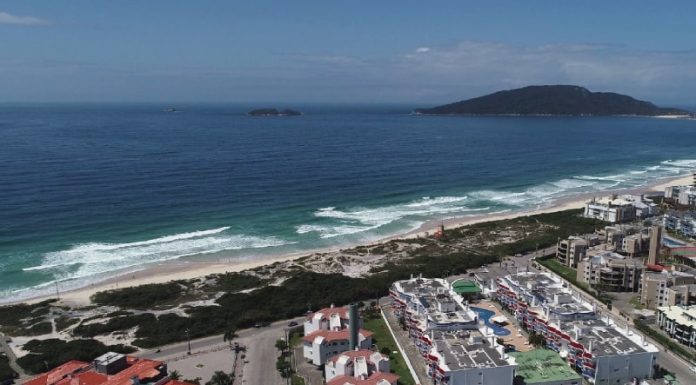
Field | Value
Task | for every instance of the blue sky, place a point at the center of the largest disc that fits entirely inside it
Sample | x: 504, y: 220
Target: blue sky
x: 348, y: 51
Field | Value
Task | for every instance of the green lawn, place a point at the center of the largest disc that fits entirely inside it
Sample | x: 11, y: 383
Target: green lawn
x: 382, y: 338
x: 566, y: 272
x: 635, y: 301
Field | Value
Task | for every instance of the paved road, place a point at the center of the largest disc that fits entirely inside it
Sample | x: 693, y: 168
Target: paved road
x: 212, y: 353
x: 12, y: 358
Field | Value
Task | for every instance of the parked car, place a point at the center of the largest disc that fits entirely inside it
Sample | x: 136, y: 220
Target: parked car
x: 292, y: 323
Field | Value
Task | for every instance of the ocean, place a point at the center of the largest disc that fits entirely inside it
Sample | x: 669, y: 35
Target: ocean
x: 93, y: 189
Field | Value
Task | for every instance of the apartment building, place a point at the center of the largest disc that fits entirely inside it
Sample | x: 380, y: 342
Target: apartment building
x: 571, y: 251
x: 603, y: 352
x: 684, y: 195
x: 656, y: 288
x: 679, y: 322
x: 683, y: 223
x: 468, y: 357
x: 610, y: 209
x: 611, y: 271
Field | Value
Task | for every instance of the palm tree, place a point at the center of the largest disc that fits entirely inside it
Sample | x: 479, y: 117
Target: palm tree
x: 174, y: 375
x: 229, y: 336
x: 219, y: 378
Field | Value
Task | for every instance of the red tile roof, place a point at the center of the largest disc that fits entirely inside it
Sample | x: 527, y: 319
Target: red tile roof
x: 327, y: 311
x: 57, y: 374
x: 82, y: 373
x: 372, y: 380
x: 335, y: 335
x: 352, y: 354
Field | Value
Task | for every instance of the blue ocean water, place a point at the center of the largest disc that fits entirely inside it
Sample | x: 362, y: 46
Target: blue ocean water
x: 87, y: 190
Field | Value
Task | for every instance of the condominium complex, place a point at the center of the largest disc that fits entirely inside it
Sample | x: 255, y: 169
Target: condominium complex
x: 684, y: 195
x: 604, y: 353
x: 667, y: 288
x: 610, y: 209
x: 679, y: 322
x: 610, y: 271
x: 681, y: 223
x: 446, y: 332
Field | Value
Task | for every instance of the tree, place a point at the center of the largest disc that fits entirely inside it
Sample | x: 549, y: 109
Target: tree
x: 219, y: 378
x: 283, y: 367
x: 281, y: 345
x: 196, y: 381
x: 536, y: 339
x: 229, y: 335
x: 174, y: 375
x: 385, y: 350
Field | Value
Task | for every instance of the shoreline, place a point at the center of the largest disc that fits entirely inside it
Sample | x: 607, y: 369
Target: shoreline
x: 183, y: 270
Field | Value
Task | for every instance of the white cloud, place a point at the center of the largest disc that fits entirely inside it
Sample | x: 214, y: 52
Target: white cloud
x: 422, y: 49
x: 8, y: 18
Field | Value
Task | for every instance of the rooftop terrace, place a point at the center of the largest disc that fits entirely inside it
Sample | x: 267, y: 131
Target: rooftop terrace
x: 543, y: 365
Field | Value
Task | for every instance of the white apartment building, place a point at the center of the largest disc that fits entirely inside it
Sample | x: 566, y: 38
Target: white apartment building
x: 610, y: 209
x: 361, y: 367
x: 679, y: 322
x: 468, y: 357
x: 603, y: 352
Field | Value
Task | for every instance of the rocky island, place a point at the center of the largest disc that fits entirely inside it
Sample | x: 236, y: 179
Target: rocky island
x: 553, y: 100
x: 273, y: 112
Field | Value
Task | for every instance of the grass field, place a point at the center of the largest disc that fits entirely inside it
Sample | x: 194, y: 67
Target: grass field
x: 382, y: 338
x: 566, y: 272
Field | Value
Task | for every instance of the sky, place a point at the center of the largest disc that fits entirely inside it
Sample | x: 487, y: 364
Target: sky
x: 341, y: 51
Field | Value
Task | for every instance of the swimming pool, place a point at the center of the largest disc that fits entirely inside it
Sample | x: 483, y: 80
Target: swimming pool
x: 671, y: 242
x: 486, y: 315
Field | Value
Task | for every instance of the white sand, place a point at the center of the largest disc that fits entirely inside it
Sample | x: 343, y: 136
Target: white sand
x: 187, y: 270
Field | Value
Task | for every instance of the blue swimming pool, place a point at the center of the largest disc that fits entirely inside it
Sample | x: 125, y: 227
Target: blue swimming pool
x: 671, y: 242
x: 486, y: 315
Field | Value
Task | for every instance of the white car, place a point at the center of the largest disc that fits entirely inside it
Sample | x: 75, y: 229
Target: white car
x: 692, y: 368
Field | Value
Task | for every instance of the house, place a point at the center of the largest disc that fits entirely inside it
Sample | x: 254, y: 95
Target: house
x: 359, y: 367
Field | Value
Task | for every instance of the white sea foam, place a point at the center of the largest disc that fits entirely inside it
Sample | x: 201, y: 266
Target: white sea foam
x: 89, y: 259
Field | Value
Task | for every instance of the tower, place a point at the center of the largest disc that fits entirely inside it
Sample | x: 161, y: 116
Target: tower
x: 655, y: 244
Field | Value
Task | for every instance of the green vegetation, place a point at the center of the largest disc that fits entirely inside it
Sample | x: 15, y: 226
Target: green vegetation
x: 233, y: 282
x: 63, y: 322
x: 552, y: 100
x: 38, y: 329
x: 665, y: 341
x: 568, y: 273
x: 635, y: 301
x: 47, y: 354
x: 296, y: 380
x: 220, y: 378
x: 6, y: 372
x: 139, y: 297
x: 114, y: 324
x: 16, y: 319
x: 383, y: 339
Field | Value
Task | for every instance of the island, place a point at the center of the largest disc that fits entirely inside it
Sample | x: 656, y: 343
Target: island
x: 273, y: 112
x: 568, y: 100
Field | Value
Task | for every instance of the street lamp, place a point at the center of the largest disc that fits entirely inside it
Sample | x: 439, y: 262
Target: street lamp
x: 188, y: 339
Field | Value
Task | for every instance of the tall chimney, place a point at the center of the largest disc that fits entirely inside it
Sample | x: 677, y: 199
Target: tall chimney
x: 353, y: 325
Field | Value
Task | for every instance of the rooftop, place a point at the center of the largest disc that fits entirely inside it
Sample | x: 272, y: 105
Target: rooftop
x: 682, y: 315
x: 335, y: 335
x: 543, y: 365
x: 375, y: 379
x: 467, y: 350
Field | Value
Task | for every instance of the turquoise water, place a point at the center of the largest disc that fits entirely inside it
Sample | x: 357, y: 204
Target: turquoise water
x: 90, y: 190
x: 485, y: 315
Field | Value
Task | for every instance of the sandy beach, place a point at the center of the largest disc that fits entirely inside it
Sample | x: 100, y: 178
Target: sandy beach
x: 180, y: 270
